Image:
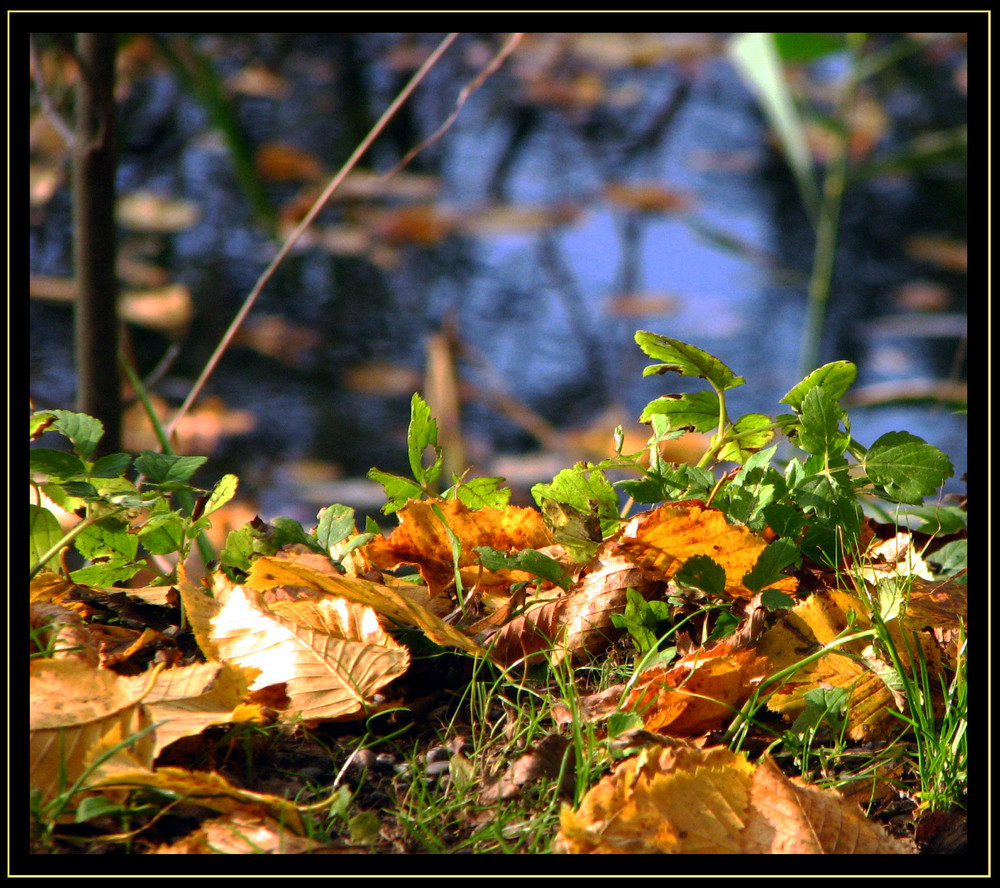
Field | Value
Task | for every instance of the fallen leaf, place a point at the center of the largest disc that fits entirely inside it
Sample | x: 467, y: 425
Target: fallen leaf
x: 331, y: 655
x: 680, y: 799
x: 248, y: 830
x: 266, y: 573
x: 699, y: 693
x: 206, y: 788
x: 422, y: 540
x: 666, y: 537
x: 868, y: 680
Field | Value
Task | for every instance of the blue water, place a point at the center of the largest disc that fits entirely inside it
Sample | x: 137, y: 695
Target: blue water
x: 536, y: 305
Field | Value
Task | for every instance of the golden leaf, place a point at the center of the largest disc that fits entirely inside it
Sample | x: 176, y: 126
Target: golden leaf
x: 665, y: 538
x: 675, y: 798
x: 266, y: 573
x: 331, y: 655
x: 422, y: 539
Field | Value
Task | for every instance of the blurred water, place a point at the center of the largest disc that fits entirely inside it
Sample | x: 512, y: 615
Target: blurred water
x: 536, y: 305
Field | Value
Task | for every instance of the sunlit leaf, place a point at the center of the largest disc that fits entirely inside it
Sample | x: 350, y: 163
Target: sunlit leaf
x: 907, y: 467
x: 687, y: 360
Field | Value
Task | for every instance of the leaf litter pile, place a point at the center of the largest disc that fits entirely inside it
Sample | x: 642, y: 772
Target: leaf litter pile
x: 700, y: 678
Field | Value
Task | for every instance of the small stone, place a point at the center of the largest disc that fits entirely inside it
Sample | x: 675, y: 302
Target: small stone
x: 438, y: 754
x: 364, y: 760
x: 438, y: 769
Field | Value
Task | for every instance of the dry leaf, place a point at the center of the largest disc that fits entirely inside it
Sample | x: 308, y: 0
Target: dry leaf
x: 208, y: 789
x: 421, y: 539
x: 788, y: 816
x: 330, y: 654
x: 245, y: 831
x: 683, y: 800
x: 665, y: 538
x: 698, y: 693
x: 815, y: 622
x: 392, y: 602
x: 77, y: 709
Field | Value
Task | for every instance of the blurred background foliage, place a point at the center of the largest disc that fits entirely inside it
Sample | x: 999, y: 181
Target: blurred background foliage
x: 595, y: 185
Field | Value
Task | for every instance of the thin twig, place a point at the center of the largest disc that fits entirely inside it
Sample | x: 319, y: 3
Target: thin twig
x: 463, y: 96
x: 304, y: 224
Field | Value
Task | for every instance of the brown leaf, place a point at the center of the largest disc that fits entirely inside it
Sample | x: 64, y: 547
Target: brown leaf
x: 523, y: 639
x: 330, y: 654
x: 680, y: 799
x: 599, y: 594
x: 390, y: 601
x: 542, y: 759
x: 787, y: 816
x: 421, y: 539
x: 699, y: 693
x: 665, y: 538
x: 247, y: 830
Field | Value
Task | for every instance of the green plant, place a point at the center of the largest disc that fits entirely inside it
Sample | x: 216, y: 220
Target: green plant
x: 811, y: 506
x: 119, y: 514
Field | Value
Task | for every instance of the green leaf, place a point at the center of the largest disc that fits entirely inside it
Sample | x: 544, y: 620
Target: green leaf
x: 421, y: 434
x: 163, y: 468
x: 940, y: 519
x: 336, y: 524
x: 754, y: 488
x: 696, y: 412
x: 750, y: 433
x: 836, y: 378
x: 164, y: 533
x: 703, y: 573
x: 478, y: 493
x: 107, y: 573
x: 530, y: 560
x: 906, y: 467
x: 39, y: 423
x: 579, y: 487
x: 951, y: 557
x: 398, y: 490
x: 641, y: 619
x: 821, y: 433
x: 221, y: 494
x: 84, y: 431
x: 822, y: 704
x: 55, y: 464
x: 784, y: 520
x: 81, y: 489
x: 114, y: 465
x: 687, y: 360
x: 43, y: 532
x: 774, y: 600
x: 107, y: 537
x: 771, y: 564
x: 287, y: 531
x: 239, y: 548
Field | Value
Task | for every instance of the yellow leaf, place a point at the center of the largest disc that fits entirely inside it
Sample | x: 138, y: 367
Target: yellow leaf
x: 422, y: 539
x: 675, y: 798
x: 266, y: 573
x: 331, y: 655
x: 665, y: 538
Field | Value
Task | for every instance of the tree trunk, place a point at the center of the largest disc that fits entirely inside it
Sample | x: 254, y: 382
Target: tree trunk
x: 94, y: 162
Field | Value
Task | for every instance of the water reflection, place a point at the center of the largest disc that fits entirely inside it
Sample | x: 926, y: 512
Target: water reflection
x: 596, y: 185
